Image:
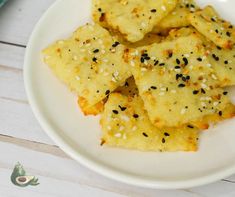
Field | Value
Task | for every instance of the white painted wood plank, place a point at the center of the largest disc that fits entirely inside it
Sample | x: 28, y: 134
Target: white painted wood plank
x: 50, y: 187
x: 218, y: 189
x: 11, y: 56
x: 57, y: 173
x: 17, y: 19
x: 12, y: 84
x: 16, y: 119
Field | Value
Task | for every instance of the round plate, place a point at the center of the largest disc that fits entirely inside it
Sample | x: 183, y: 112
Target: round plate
x: 56, y: 109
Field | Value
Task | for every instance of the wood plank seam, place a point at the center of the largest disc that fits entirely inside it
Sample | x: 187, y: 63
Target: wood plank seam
x: 12, y: 44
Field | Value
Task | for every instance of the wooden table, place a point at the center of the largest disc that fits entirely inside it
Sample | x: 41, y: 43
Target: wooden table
x: 22, y: 139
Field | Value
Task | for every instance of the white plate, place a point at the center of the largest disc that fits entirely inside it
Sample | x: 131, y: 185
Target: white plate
x: 56, y: 109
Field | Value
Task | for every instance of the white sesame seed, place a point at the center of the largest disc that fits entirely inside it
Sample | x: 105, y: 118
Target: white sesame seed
x: 134, y: 128
x: 163, y: 89
x: 118, y: 135
x: 78, y: 78
x: 192, y: 9
x: 211, y: 31
x: 216, y: 103
x: 163, y: 8
x: 100, y: 41
x: 83, y: 50
x: 183, y: 111
x: 143, y: 69
x: 105, y: 60
x: 114, y: 80
x: 204, y: 85
x: 121, y: 128
x: 208, y: 98
x: 113, y: 50
x: 208, y: 65
x: 145, y: 62
x: 173, y: 13
x: 106, y: 74
x: 132, y: 63
x: 101, y: 70
x: 213, y: 76
x: 109, y: 128
x: 124, y: 136
x: 153, y: 58
x: 203, y: 104
x: 125, y: 118
x: 204, y: 80
x: 191, y: 67
x: 103, y: 51
x: 204, y: 57
x: 143, y: 24
x: 161, y: 94
x: 173, y: 91
x: 75, y: 57
x: 115, y: 74
x: 186, y: 55
x: 178, y: 70
x: 89, y: 44
x: 202, y: 99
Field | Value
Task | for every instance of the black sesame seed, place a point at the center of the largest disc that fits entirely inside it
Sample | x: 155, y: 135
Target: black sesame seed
x: 177, y: 61
x: 220, y: 113
x: 225, y: 93
x: 217, y: 31
x: 178, y: 76
x: 116, y: 44
x: 190, y: 126
x: 153, y: 87
x: 184, y: 79
x: 136, y: 116
x: 228, y: 34
x: 170, y: 54
x: 156, y: 62
x: 203, y: 91
x: 199, y: 59
x: 126, y: 84
x: 188, y: 77
x: 177, y: 67
x: 185, y: 61
x: 218, y: 47
x: 212, y: 19
x: 153, y: 10
x: 162, y: 64
x: 107, y: 92
x: 97, y: 91
x: 195, y: 92
x: 122, y: 108
x: 147, y: 58
x: 115, y: 111
x: 142, y: 60
x: 99, y: 9
x: 96, y: 51
x: 225, y: 62
x: 215, y: 57
x: 145, y: 135
x: 181, y: 85
x: 163, y: 140
x: 230, y: 26
x: 166, y: 134
x: 94, y: 59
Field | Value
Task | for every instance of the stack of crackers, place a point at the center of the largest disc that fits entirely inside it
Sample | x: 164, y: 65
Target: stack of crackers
x: 156, y: 71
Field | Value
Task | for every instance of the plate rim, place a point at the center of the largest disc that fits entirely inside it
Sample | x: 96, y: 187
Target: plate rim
x: 82, y: 158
